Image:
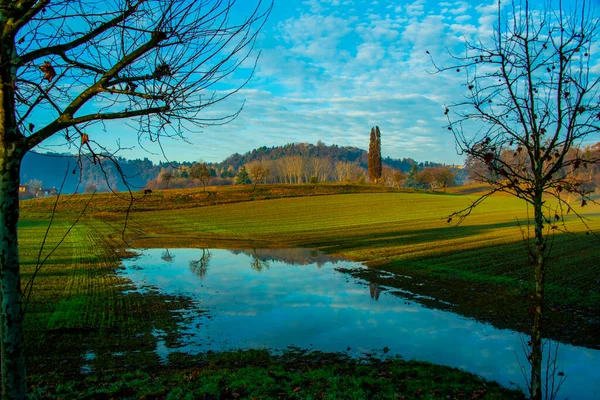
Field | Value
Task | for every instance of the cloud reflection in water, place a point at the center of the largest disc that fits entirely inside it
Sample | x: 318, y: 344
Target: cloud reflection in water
x: 275, y: 298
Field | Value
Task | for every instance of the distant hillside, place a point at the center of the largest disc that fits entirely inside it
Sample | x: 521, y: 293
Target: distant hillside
x: 333, y: 152
x: 50, y: 168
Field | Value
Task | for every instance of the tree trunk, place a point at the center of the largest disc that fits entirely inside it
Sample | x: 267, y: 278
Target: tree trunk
x: 11, y: 313
x: 11, y: 153
x: 538, y: 301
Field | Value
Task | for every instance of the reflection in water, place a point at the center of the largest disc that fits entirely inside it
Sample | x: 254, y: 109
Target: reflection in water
x: 167, y: 256
x: 374, y: 290
x: 325, y: 309
x: 257, y: 263
x: 199, y: 267
x: 293, y: 256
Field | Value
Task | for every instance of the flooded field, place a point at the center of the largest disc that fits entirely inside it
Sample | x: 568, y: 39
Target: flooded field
x: 279, y: 298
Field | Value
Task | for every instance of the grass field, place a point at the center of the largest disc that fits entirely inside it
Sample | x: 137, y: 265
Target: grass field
x: 480, y: 265
x: 79, y: 304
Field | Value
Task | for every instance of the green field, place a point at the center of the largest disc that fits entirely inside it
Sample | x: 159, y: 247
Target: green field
x: 80, y: 305
x: 480, y: 265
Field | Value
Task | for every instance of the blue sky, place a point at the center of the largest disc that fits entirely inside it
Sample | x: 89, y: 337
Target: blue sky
x: 331, y: 69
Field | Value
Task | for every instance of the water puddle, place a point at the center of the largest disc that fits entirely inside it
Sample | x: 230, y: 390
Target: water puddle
x: 277, y: 298
x: 88, y: 357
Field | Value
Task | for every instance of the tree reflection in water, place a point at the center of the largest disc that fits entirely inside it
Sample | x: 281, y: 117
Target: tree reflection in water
x: 167, y: 256
x: 200, y: 267
x: 257, y: 263
x: 374, y: 290
x: 291, y: 256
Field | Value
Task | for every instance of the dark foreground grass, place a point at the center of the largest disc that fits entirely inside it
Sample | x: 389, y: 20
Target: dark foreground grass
x: 293, y: 375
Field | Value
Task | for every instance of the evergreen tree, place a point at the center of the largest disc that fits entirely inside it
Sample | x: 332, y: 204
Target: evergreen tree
x: 242, y: 178
x: 412, y: 177
x: 378, y: 164
x: 374, y: 162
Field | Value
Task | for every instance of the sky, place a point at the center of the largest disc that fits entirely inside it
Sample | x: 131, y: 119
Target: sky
x: 329, y: 70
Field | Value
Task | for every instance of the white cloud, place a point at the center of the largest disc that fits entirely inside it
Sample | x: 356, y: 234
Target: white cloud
x: 415, y: 9
x: 331, y: 69
x: 460, y: 7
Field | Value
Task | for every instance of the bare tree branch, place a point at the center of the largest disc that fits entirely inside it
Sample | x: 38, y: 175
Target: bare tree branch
x: 534, y: 97
x: 66, y: 65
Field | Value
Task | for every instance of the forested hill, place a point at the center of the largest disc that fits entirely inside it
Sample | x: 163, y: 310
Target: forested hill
x: 334, y: 153
x: 50, y: 168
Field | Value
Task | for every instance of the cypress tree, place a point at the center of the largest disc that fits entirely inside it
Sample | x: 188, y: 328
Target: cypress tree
x: 374, y: 162
x: 378, y: 159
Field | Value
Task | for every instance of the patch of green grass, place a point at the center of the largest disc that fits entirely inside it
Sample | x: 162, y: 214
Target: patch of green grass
x: 260, y: 375
x: 78, y: 304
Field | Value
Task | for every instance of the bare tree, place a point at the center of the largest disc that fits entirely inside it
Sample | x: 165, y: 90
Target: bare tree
x: 295, y: 165
x: 398, y: 177
x: 167, y: 256
x: 298, y: 169
x: 201, y: 172
x: 165, y: 176
x: 444, y: 177
x: 257, y: 172
x: 72, y: 64
x: 200, y: 266
x: 343, y: 170
x: 347, y: 171
x: 257, y: 263
x: 283, y: 170
x: 34, y: 184
x: 321, y: 167
x: 427, y: 177
x: 90, y: 189
x: 535, y: 95
x: 272, y: 170
x: 477, y: 171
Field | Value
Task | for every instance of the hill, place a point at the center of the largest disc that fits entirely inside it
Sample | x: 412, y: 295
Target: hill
x: 81, y: 172
x: 105, y: 173
x: 320, y: 150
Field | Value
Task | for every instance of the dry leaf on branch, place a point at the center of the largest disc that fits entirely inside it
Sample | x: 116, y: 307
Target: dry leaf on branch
x: 48, y: 70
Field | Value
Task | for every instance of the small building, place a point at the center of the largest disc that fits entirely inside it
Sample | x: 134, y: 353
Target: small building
x: 25, y: 192
x: 46, y: 192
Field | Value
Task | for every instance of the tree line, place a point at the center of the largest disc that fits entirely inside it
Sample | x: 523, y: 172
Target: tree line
x: 298, y: 170
x: 578, y: 175
x: 100, y: 173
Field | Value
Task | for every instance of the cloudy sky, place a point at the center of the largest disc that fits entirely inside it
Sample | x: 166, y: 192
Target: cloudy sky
x: 329, y: 70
